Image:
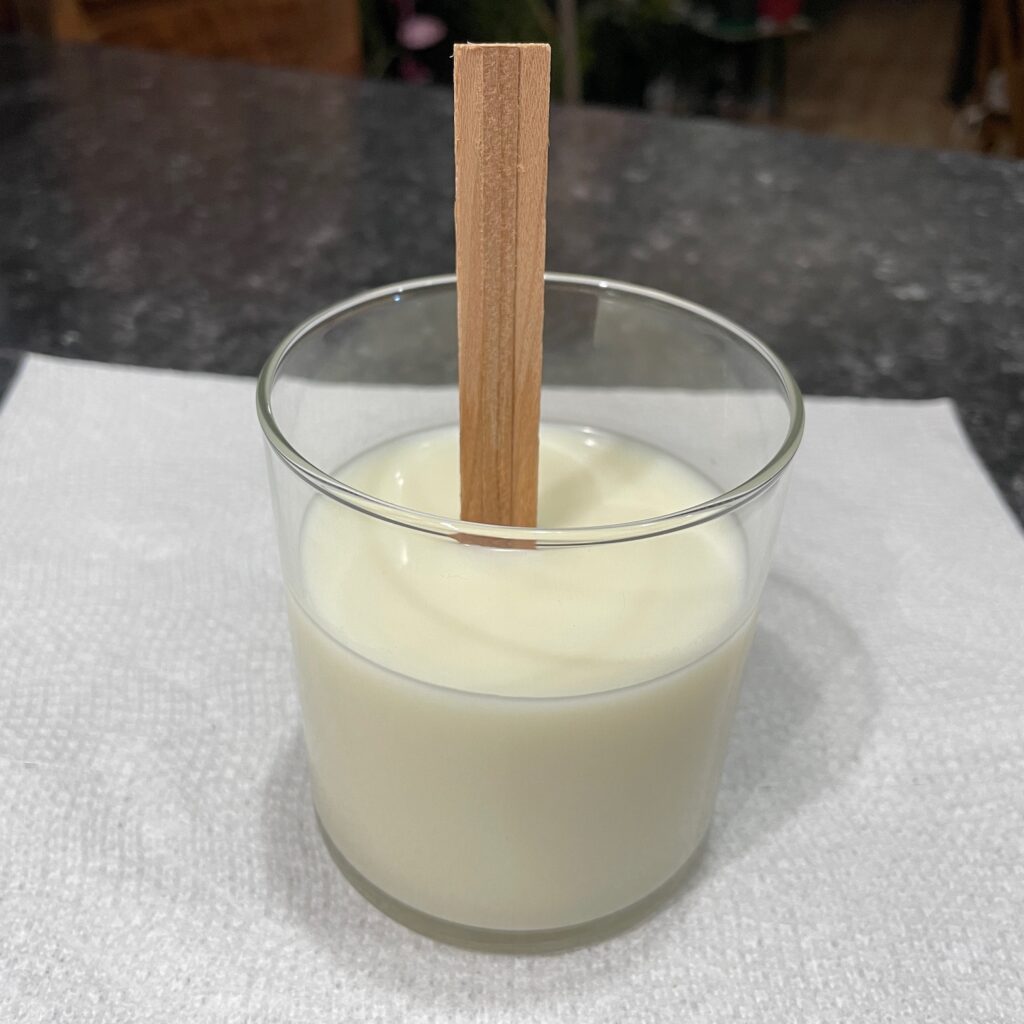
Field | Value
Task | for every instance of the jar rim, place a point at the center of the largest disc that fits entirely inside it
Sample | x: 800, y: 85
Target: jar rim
x: 528, y: 536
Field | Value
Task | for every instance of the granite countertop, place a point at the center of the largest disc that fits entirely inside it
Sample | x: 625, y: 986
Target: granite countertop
x: 173, y: 212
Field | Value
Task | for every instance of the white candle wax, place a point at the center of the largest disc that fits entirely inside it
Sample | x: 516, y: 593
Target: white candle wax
x: 519, y: 739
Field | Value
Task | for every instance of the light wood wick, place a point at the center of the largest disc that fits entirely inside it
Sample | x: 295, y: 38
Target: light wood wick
x: 501, y: 162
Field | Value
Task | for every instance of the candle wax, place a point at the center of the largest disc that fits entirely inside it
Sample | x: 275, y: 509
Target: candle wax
x: 519, y: 739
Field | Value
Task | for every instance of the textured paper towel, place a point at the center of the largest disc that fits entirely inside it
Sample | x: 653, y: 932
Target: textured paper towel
x: 159, y: 859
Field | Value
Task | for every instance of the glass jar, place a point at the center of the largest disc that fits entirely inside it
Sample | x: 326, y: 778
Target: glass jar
x: 515, y: 735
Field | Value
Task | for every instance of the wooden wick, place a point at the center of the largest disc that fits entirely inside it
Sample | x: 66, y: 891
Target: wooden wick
x: 501, y: 164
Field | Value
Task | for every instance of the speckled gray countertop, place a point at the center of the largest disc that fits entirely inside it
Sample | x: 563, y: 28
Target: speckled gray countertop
x: 170, y: 212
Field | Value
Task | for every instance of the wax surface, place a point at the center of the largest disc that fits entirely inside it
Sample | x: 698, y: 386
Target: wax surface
x: 438, y: 772
x: 525, y: 623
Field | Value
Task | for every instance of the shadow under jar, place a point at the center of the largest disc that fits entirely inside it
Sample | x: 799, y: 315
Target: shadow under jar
x: 516, y: 735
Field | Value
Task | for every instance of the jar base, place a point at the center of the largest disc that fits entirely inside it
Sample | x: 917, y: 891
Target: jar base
x: 495, y: 940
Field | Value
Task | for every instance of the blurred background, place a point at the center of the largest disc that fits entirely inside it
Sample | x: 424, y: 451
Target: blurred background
x: 943, y: 74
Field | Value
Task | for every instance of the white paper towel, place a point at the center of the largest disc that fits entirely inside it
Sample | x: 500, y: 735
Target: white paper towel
x: 158, y: 854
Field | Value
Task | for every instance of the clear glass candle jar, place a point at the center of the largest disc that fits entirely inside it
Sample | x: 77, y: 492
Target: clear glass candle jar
x: 515, y: 735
